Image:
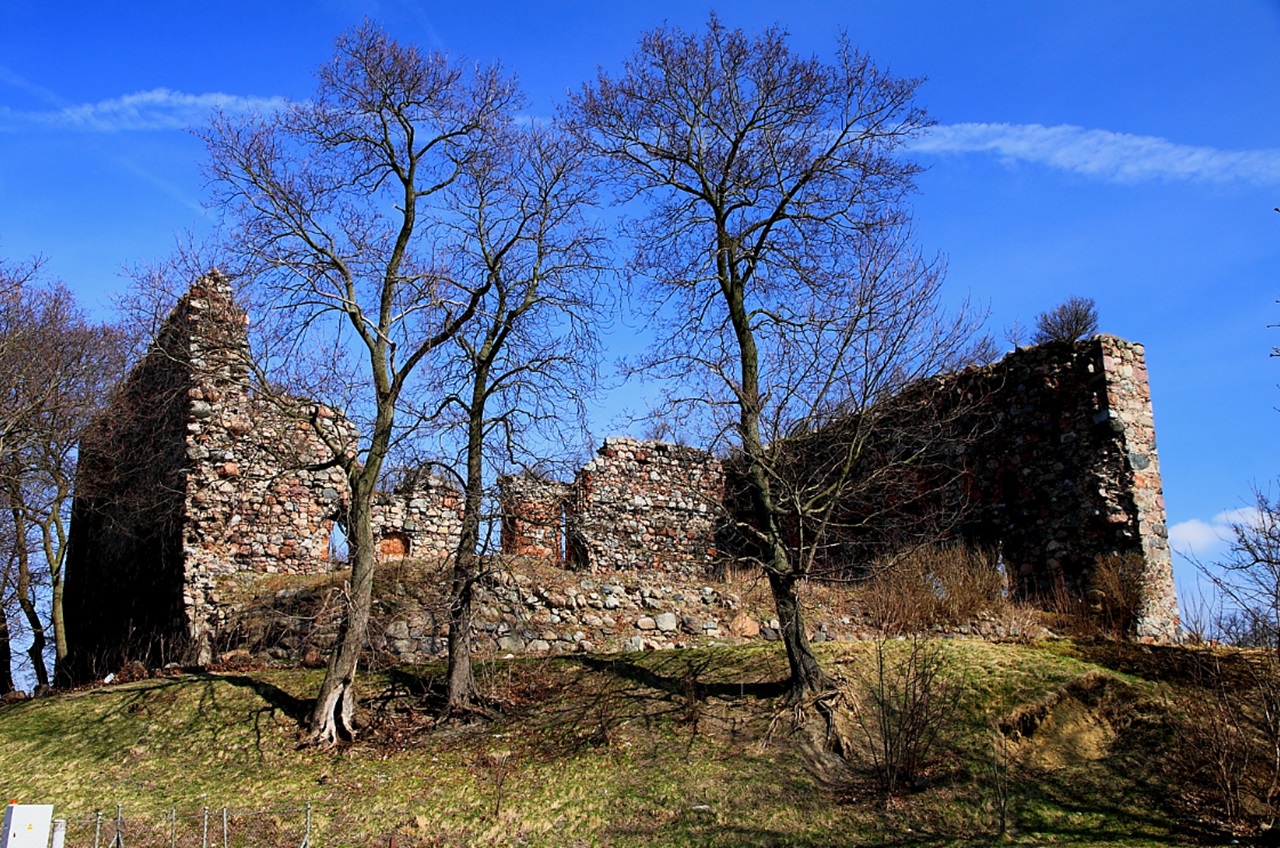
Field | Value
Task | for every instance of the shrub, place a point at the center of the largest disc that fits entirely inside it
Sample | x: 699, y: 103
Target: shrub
x: 1115, y: 592
x: 1073, y: 319
x: 903, y: 704
x: 937, y: 585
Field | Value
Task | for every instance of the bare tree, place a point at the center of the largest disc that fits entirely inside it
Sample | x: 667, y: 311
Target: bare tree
x: 777, y: 252
x: 1248, y: 575
x: 56, y: 369
x: 1074, y: 319
x: 340, y: 204
x: 528, y: 358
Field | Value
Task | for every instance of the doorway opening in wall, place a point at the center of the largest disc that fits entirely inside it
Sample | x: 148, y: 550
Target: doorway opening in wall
x: 562, y: 550
x: 339, y: 549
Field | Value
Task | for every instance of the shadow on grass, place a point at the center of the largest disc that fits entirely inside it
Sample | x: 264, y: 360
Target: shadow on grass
x: 684, y: 676
x: 298, y: 709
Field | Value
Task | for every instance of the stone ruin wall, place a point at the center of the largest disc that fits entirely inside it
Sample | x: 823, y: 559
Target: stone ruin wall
x: 1055, y: 469
x: 189, y: 481
x: 645, y: 505
x: 1068, y: 472
x: 533, y: 517
x: 422, y: 520
x: 190, y: 485
x: 546, y: 611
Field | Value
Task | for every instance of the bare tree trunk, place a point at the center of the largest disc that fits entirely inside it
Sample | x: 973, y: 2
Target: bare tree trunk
x: 807, y: 677
x: 462, y: 682
x: 333, y: 719
x: 58, y: 620
x: 27, y: 602
x: 53, y: 531
x: 6, y: 656
x: 466, y: 565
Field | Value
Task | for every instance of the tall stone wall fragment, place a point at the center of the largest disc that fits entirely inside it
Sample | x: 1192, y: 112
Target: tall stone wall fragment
x: 1046, y: 458
x: 645, y: 505
x: 190, y: 478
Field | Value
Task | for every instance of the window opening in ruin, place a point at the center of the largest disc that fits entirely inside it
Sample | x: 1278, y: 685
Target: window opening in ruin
x: 339, y: 549
x: 393, y: 545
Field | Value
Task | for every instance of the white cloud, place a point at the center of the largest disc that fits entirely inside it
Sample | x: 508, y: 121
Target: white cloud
x: 1112, y: 156
x: 157, y: 109
x: 1205, y: 540
x: 1195, y: 537
x: 1249, y: 516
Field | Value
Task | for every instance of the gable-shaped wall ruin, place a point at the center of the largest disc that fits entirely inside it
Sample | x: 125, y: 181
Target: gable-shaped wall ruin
x: 189, y: 478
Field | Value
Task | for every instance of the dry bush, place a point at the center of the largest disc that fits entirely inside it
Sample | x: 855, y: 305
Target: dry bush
x: 1108, y: 603
x: 933, y: 586
x: 1115, y: 592
x: 903, y: 705
x: 1230, y: 751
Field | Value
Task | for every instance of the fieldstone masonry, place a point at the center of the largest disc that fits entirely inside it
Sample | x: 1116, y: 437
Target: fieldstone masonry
x: 420, y: 520
x: 533, y: 516
x: 190, y: 481
x: 1068, y: 473
x: 645, y: 505
x: 1054, y: 470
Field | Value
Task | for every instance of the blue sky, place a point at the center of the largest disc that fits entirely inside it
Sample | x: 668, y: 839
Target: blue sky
x: 1128, y: 152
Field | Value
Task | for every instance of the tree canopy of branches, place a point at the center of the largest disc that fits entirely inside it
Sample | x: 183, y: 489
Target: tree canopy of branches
x: 341, y: 205
x: 56, y: 369
x: 527, y: 359
x: 775, y: 247
x: 1074, y: 319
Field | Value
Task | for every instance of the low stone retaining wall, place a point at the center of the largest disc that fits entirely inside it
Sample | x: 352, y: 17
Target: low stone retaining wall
x: 534, y: 610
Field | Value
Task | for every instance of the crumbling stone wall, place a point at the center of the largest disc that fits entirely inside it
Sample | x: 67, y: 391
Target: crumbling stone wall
x: 1047, y: 459
x: 189, y: 482
x: 645, y: 505
x: 637, y: 505
x: 422, y: 519
x: 189, y: 479
x: 533, y: 516
x: 1069, y: 473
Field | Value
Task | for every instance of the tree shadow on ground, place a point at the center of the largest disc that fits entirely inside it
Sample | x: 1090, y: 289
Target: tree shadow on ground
x: 684, y: 676
x: 298, y: 709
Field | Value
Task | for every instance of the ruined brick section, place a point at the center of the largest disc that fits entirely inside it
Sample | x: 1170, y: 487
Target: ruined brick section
x: 645, y: 505
x: 533, y: 516
x: 423, y: 521
x: 189, y: 480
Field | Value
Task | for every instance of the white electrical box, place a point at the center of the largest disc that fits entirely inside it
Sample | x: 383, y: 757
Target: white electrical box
x: 26, y: 826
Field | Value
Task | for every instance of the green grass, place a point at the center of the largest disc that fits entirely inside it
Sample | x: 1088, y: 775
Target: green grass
x: 675, y: 748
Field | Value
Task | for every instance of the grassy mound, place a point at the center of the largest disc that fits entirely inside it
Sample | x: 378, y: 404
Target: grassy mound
x: 668, y: 748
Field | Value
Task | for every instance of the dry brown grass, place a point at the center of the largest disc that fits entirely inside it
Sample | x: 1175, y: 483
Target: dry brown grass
x: 937, y: 586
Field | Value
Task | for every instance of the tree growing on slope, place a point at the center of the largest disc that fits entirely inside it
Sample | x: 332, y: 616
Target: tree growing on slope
x: 774, y: 245
x: 527, y: 359
x: 342, y: 206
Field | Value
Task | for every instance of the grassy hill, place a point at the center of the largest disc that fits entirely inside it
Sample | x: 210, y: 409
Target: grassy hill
x: 667, y: 748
